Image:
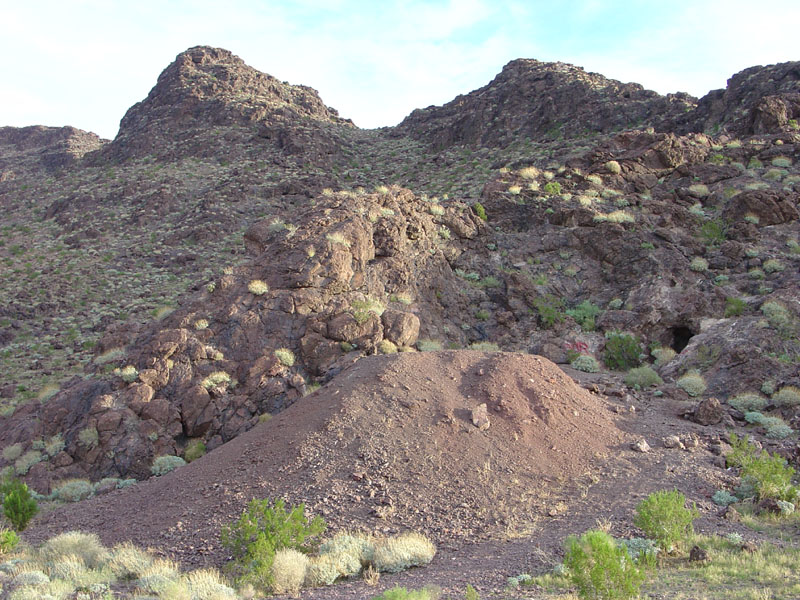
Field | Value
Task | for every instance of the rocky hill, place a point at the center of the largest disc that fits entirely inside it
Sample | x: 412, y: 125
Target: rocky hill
x: 239, y: 245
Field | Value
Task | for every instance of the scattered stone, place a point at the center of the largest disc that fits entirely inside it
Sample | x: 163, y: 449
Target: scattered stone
x: 729, y: 513
x: 708, y: 411
x: 672, y: 441
x: 640, y: 445
x: 749, y: 546
x: 480, y: 417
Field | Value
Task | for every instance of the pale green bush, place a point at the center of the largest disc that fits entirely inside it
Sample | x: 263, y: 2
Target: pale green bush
x: 692, y: 383
x: 642, y: 377
x: 585, y: 363
x: 285, y: 356
x: 787, y: 396
x: 402, y: 552
x: 748, y: 401
x: 24, y: 463
x: 288, y: 571
x: 257, y: 287
x: 87, y: 546
x: 164, y: 464
x: 74, y: 490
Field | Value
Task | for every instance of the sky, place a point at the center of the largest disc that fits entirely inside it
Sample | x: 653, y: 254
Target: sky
x: 85, y: 62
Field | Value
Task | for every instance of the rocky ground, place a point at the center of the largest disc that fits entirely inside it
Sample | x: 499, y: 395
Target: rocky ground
x: 239, y: 245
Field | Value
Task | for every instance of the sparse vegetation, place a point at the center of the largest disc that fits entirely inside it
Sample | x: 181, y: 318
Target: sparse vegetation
x: 585, y: 314
x: 257, y: 287
x: 600, y: 568
x: 692, y: 383
x: 285, y: 356
x: 585, y: 363
x: 642, y: 378
x: 164, y: 464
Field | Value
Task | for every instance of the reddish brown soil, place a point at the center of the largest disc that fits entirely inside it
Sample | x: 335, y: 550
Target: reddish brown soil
x: 390, y: 445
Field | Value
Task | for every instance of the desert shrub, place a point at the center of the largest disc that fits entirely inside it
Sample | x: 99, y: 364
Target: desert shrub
x: 12, y: 452
x: 215, y: 379
x: 553, y: 188
x: 765, y: 475
x: 642, y: 377
x: 585, y: 363
x: 787, y: 396
x: 622, y: 351
x: 362, y: 309
x: 723, y: 498
x: 128, y: 562
x: 402, y: 552
x: 74, y: 490
x: 164, y: 464
x: 775, y: 427
x: 401, y: 593
x: 714, y: 232
x: 54, y: 445
x: 156, y: 577
x: 323, y: 570
x: 778, y: 316
x: 18, y: 505
x: 585, y: 314
x: 549, y: 308
x: 734, y: 307
x: 86, y: 546
x: 484, y: 347
x: 480, y: 211
x: 692, y: 383
x: 387, y: 347
x: 344, y: 555
x: 699, y: 264
x: 257, y: 287
x: 747, y: 402
x: 699, y: 190
x: 88, y: 437
x: 194, y: 450
x: 288, y: 571
x: 773, y: 265
x: 663, y: 516
x: 642, y: 551
x: 429, y: 345
x: 663, y: 355
x: 129, y: 374
x: 599, y: 568
x: 8, y: 540
x: 612, y: 166
x: 24, y: 463
x: 285, y: 356
x: 262, y: 530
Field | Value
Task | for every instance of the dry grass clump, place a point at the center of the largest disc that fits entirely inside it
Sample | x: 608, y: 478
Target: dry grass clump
x: 387, y: 347
x: 128, y: 562
x: 613, y: 167
x: 215, y: 379
x: 402, y: 552
x: 289, y: 571
x: 787, y: 396
x: 257, y: 287
x: 663, y: 355
x: 529, y: 173
x: 337, y: 238
x: 87, y: 546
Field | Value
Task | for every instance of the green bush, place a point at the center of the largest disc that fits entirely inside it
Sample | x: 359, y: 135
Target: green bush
x: 164, y: 464
x: 768, y: 476
x: 599, y: 568
x: 552, y: 189
x: 401, y: 593
x: 622, y: 351
x: 642, y: 377
x: 194, y: 450
x: 714, y: 232
x: 550, y: 309
x: 480, y: 211
x: 663, y: 516
x: 8, y: 540
x: 723, y: 498
x: 585, y: 314
x: 18, y: 505
x: 262, y: 530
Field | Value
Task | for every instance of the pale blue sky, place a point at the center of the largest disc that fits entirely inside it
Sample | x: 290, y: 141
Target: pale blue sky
x: 85, y: 62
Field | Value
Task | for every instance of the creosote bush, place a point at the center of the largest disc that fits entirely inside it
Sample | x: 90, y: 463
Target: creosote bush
x: 263, y: 529
x: 600, y: 568
x: 762, y: 474
x: 622, y: 351
x: 663, y: 516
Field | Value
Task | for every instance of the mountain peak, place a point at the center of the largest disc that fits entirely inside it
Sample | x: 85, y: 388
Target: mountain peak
x: 206, y: 87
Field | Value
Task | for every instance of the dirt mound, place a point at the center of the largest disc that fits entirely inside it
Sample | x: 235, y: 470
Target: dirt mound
x: 389, y: 444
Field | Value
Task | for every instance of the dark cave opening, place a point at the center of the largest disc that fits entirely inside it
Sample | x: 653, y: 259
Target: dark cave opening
x: 680, y: 338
